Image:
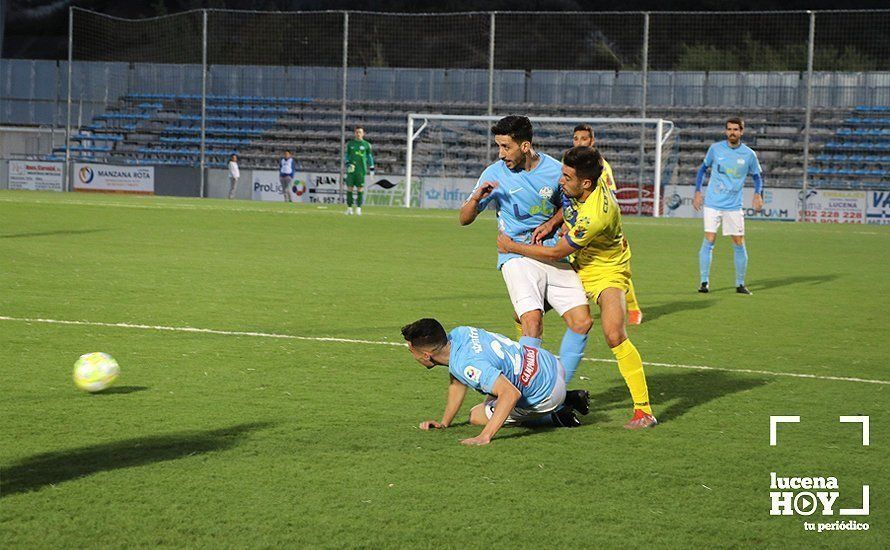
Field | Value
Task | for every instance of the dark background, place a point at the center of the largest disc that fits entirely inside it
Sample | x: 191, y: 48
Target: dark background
x: 38, y: 29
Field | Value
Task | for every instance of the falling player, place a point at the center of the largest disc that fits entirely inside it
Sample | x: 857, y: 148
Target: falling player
x: 523, y: 383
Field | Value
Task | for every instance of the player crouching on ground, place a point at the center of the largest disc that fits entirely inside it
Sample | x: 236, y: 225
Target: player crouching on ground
x: 599, y: 253
x: 523, y: 383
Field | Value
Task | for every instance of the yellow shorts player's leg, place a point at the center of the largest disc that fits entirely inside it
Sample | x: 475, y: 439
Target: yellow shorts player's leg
x: 612, y: 304
x: 634, y: 313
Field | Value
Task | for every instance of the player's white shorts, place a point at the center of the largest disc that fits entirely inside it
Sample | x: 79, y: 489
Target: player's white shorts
x: 530, y: 283
x: 547, y: 406
x: 733, y: 221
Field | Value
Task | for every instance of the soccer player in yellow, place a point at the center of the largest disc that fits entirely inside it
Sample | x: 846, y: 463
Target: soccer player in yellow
x: 583, y: 136
x: 596, y: 246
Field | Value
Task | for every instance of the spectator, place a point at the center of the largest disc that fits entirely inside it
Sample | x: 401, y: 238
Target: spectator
x: 286, y: 169
x: 234, y: 174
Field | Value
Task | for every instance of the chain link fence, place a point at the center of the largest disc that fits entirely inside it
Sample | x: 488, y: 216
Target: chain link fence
x: 213, y: 81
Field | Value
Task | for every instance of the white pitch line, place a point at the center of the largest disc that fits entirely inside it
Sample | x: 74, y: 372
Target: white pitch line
x: 199, y: 330
x: 402, y: 344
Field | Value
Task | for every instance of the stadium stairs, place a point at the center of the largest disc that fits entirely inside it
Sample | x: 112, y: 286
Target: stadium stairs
x: 851, y: 148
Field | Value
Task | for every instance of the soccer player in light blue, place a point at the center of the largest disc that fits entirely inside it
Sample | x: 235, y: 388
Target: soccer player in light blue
x: 523, y: 383
x: 729, y: 162
x: 524, y: 184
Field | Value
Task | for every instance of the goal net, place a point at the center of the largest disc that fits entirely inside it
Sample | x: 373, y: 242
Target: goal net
x: 446, y: 153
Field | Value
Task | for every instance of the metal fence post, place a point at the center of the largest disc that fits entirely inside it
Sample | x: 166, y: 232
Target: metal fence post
x: 66, y: 171
x: 491, y: 64
x: 808, y: 116
x: 491, y: 33
x: 203, y: 99
x: 409, y: 158
x: 343, y: 104
x: 644, y: 100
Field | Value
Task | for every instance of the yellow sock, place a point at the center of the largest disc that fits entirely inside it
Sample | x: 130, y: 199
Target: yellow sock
x: 519, y: 332
x: 632, y: 303
x: 631, y: 366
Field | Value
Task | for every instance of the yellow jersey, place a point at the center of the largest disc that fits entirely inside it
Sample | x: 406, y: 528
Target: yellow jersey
x: 595, y: 230
x: 606, y: 178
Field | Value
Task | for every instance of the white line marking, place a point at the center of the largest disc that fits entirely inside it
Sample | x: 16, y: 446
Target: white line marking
x: 402, y: 344
x: 200, y: 330
x: 752, y: 371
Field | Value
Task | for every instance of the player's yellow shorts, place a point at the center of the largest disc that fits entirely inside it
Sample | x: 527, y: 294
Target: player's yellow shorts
x: 597, y: 279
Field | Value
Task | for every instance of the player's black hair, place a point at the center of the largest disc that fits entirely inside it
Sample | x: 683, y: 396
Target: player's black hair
x: 584, y: 128
x: 517, y: 127
x: 736, y: 120
x: 358, y: 127
x: 587, y: 162
x: 425, y: 333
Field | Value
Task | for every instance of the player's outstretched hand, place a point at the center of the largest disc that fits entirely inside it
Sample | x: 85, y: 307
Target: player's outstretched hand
x: 757, y: 203
x: 541, y: 232
x: 504, y: 243
x: 485, y: 189
x: 432, y: 425
x: 697, y: 201
x: 478, y: 440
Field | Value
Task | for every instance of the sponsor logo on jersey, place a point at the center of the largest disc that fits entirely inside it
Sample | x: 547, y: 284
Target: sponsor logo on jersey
x: 529, y: 365
x: 472, y: 373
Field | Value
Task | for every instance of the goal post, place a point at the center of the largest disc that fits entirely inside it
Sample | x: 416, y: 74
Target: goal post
x: 460, y: 147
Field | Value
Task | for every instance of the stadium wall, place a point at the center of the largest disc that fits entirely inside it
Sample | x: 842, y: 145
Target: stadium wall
x: 33, y: 92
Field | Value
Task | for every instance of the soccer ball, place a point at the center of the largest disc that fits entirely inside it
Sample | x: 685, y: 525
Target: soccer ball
x: 94, y: 372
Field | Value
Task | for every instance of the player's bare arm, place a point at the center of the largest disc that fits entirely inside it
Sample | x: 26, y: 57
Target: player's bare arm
x: 757, y: 202
x: 538, y: 252
x: 470, y: 210
x: 456, y: 394
x: 547, y: 228
x: 507, y: 395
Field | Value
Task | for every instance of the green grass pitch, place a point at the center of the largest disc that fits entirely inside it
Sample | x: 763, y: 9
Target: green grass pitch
x: 238, y: 438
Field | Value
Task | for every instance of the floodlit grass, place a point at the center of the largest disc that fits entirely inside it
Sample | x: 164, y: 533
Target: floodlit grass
x: 236, y: 440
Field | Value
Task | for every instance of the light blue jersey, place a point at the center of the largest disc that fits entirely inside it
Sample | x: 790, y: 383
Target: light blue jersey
x: 524, y: 199
x: 478, y: 357
x: 729, y: 168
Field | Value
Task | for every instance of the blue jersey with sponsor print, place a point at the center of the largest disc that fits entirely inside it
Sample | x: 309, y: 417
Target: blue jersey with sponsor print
x: 729, y: 168
x: 478, y: 357
x: 524, y: 199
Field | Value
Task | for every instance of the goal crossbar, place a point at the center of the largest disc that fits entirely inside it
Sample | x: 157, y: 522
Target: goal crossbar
x: 663, y: 130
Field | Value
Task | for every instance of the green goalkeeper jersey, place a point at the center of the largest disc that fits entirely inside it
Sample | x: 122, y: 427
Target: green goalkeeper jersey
x: 359, y: 157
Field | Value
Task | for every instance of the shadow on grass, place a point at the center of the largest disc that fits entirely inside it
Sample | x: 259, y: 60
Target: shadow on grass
x: 121, y: 389
x: 650, y: 313
x: 52, y: 233
x: 38, y: 471
x: 776, y: 282
x: 682, y: 391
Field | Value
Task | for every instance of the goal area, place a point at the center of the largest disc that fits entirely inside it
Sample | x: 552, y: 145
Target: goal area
x: 445, y: 154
